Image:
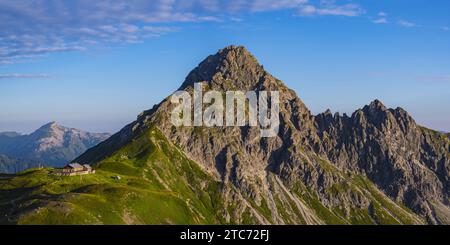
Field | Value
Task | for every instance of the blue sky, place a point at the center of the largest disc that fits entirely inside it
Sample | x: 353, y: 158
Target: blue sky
x: 95, y: 65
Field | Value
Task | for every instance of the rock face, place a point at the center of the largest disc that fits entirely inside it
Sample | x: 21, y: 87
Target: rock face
x: 408, y: 162
x: 376, y: 166
x: 50, y: 145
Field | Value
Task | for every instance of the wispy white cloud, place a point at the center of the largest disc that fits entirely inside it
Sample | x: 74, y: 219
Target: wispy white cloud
x: 349, y: 10
x: 31, y: 29
x: 271, y: 5
x: 407, y: 24
x: 23, y: 76
x: 307, y: 10
x: 259, y: 5
x: 380, y: 21
x: 381, y: 18
x: 42, y: 50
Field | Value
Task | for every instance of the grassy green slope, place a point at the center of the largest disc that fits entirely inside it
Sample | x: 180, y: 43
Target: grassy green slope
x: 158, y: 185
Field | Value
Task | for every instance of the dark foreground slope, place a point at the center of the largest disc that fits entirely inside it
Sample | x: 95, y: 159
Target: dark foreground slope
x: 375, y: 167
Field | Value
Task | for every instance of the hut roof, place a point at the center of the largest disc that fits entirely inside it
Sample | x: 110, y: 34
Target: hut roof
x: 74, y: 165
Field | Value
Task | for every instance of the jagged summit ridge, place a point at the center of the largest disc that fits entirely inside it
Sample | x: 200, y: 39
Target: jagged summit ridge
x: 231, y: 68
x: 49, y: 127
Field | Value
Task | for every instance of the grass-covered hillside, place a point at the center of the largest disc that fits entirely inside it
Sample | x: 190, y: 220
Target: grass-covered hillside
x: 157, y: 185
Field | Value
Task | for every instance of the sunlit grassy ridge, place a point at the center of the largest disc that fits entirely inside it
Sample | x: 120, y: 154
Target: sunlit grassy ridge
x: 158, y: 185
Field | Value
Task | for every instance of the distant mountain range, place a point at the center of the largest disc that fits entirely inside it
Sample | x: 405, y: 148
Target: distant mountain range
x: 51, y: 145
x: 376, y: 166
x: 14, y: 165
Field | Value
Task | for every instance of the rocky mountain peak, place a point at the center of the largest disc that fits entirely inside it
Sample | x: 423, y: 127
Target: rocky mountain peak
x: 375, y: 105
x: 328, y: 113
x: 234, y: 51
x: 47, y: 130
x: 377, y: 114
x: 231, y: 68
x: 49, y: 126
x: 239, y: 57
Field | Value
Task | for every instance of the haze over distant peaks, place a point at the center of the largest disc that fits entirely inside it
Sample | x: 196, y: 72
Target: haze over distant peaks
x: 50, y: 145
